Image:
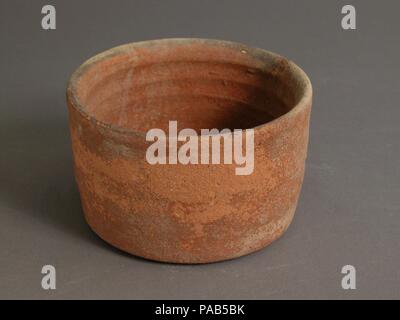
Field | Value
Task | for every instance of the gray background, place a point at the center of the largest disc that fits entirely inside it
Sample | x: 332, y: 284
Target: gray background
x: 350, y: 203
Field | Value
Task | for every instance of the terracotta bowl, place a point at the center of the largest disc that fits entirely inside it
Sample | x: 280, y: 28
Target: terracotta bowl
x: 188, y: 213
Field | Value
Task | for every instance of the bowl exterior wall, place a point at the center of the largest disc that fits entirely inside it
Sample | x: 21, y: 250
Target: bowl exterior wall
x: 188, y: 213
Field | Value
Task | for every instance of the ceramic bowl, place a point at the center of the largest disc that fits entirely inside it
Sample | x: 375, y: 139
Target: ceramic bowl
x: 188, y: 213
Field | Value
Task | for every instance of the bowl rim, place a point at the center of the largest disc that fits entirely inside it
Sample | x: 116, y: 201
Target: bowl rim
x: 72, y: 97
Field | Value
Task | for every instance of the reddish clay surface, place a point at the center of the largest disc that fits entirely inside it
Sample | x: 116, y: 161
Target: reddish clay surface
x: 188, y: 213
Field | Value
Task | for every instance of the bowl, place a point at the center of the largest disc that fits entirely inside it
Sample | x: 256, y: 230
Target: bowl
x: 189, y: 150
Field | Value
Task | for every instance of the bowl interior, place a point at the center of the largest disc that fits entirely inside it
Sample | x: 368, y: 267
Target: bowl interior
x: 202, y: 84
